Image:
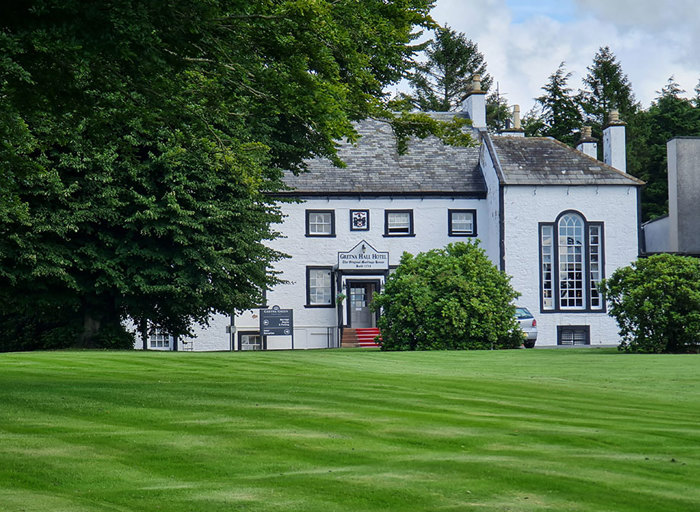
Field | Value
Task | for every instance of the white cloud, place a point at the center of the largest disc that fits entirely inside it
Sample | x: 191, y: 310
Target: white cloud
x: 652, y: 39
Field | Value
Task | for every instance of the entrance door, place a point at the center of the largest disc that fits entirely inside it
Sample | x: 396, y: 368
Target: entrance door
x: 360, y: 297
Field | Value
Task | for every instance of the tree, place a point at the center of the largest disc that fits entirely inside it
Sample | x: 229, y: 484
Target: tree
x: 451, y: 298
x: 656, y: 303
x: 497, y: 112
x: 142, y: 144
x: 607, y: 88
x: 560, y: 116
x: 670, y: 115
x: 444, y: 79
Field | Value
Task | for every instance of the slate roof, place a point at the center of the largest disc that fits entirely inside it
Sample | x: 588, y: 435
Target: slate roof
x: 545, y: 161
x: 374, y: 167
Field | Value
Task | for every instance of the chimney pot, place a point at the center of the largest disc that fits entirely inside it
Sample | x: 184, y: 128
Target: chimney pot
x: 476, y: 83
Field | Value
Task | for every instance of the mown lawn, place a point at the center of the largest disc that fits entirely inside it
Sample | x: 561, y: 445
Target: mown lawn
x: 352, y: 430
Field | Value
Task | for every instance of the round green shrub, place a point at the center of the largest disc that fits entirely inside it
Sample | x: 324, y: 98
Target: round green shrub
x: 451, y: 298
x: 656, y: 303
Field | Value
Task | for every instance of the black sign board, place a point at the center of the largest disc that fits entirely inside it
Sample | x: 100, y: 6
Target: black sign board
x: 276, y: 322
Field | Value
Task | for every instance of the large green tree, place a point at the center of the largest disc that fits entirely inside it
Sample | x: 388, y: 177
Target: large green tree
x: 443, y: 79
x: 560, y: 115
x: 606, y: 87
x: 140, y: 143
x: 670, y: 115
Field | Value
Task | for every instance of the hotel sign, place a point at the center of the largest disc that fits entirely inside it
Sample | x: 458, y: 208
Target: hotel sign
x: 276, y: 322
x: 363, y: 257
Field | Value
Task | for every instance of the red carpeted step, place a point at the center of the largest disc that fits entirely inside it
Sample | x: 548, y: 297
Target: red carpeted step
x: 366, y: 337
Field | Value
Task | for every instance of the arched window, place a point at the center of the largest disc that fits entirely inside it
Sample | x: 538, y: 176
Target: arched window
x: 571, y: 263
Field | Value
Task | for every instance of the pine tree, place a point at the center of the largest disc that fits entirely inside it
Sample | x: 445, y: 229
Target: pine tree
x: 607, y: 88
x: 560, y: 116
x: 443, y: 80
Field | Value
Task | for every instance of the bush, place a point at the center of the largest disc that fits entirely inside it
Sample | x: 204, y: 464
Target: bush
x: 656, y: 302
x: 451, y: 298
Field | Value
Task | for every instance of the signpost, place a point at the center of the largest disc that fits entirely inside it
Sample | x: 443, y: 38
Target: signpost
x: 277, y: 322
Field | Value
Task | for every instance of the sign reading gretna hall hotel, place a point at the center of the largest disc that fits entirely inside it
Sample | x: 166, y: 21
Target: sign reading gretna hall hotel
x: 363, y: 257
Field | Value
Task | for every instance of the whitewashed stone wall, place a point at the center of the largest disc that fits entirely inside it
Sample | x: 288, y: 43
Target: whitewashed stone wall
x: 492, y: 244
x: 431, y: 231
x: 526, y: 206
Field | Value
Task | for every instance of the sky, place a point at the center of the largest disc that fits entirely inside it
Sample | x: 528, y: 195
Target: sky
x: 523, y: 41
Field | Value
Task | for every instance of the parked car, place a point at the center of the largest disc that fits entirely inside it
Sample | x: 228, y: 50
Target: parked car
x: 528, y: 325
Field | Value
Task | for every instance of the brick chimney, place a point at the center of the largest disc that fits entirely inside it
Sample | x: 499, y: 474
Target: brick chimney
x: 614, y: 151
x: 587, y: 144
x: 475, y: 103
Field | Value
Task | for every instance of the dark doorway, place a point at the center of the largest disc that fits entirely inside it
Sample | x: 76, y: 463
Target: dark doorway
x: 360, y: 296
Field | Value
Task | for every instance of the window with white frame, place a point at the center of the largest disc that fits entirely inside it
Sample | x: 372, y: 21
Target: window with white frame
x: 320, y: 223
x: 571, y: 264
x: 398, y: 223
x: 461, y: 222
x: 159, y: 338
x: 319, y: 287
x: 250, y: 341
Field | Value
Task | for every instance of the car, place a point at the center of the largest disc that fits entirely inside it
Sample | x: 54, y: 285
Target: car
x: 528, y: 325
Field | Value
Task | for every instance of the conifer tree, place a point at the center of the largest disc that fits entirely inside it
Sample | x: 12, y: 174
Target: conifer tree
x: 442, y: 81
x: 607, y: 87
x: 560, y: 114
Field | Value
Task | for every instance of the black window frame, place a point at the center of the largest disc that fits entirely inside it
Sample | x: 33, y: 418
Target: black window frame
x: 352, y: 228
x: 308, y: 288
x: 320, y: 235
x: 555, y: 265
x: 562, y: 328
x: 451, y: 232
x: 411, y: 225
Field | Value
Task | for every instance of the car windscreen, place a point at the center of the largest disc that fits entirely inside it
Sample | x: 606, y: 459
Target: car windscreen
x: 522, y: 313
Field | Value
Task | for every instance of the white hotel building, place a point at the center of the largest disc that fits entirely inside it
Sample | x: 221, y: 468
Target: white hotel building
x: 555, y: 219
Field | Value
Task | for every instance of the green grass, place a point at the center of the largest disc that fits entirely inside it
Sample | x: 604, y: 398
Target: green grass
x: 560, y: 430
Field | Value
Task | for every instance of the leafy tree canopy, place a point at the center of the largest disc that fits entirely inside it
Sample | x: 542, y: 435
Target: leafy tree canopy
x: 451, y: 298
x: 140, y: 143
x: 656, y: 303
x: 670, y: 115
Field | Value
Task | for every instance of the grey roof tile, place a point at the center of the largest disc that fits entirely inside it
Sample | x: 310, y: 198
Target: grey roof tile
x: 374, y: 167
x: 545, y: 161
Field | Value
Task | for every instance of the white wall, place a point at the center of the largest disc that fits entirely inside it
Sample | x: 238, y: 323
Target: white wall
x: 430, y: 228
x: 492, y: 244
x: 526, y: 206
x: 657, y: 235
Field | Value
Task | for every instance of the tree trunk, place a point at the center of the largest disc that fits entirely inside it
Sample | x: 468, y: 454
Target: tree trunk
x: 91, y: 327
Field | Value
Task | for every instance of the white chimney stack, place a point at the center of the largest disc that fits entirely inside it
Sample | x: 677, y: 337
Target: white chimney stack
x: 588, y: 145
x: 475, y: 103
x: 614, y: 151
